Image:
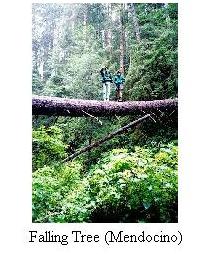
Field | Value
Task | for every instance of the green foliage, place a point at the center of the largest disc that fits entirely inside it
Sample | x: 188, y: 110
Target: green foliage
x: 37, y: 85
x: 78, y: 76
x: 48, y: 146
x: 138, y: 186
x: 153, y: 73
x: 153, y: 69
x: 50, y: 187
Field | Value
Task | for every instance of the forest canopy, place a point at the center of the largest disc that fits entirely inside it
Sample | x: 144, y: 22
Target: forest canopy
x: 133, y: 176
x: 71, y: 42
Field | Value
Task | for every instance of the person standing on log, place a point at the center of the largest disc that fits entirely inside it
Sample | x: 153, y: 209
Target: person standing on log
x: 106, y: 80
x: 119, y: 81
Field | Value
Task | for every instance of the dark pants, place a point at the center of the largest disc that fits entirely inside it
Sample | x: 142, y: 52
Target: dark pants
x: 119, y: 88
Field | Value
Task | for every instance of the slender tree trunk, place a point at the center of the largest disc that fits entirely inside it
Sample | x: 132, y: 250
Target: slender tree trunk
x: 41, y: 70
x: 85, y: 22
x: 122, y: 39
x: 108, y: 137
x: 106, y: 43
x: 109, y: 31
x: 135, y: 21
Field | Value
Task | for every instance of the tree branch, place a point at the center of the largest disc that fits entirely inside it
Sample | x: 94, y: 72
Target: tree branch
x: 93, y: 117
x: 108, y: 137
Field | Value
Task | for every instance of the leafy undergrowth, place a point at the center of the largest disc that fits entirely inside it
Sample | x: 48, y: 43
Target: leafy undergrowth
x: 122, y: 187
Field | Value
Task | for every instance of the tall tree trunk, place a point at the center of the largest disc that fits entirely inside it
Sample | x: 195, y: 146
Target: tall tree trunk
x: 85, y: 22
x: 109, y: 31
x: 41, y: 70
x: 106, y: 30
x: 106, y: 38
x: 135, y: 21
x: 122, y: 39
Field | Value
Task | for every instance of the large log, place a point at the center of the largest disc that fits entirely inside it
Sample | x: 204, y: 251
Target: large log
x: 43, y: 105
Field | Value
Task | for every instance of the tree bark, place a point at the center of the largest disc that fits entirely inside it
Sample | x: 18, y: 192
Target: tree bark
x: 43, y: 105
x: 106, y: 138
x: 135, y: 21
x: 122, y: 39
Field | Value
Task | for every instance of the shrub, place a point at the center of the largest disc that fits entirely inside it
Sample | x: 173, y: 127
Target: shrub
x: 47, y: 145
x: 123, y: 187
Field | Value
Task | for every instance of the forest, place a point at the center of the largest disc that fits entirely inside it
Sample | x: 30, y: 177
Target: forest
x: 97, y: 159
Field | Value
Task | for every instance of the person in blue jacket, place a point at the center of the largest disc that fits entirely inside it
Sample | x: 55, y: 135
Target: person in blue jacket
x: 106, y: 80
x: 119, y: 81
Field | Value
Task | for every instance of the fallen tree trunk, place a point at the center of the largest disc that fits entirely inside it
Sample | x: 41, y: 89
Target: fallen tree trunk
x: 43, y: 105
x: 106, y: 138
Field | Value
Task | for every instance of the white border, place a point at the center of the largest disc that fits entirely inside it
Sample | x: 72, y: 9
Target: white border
x: 15, y: 105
